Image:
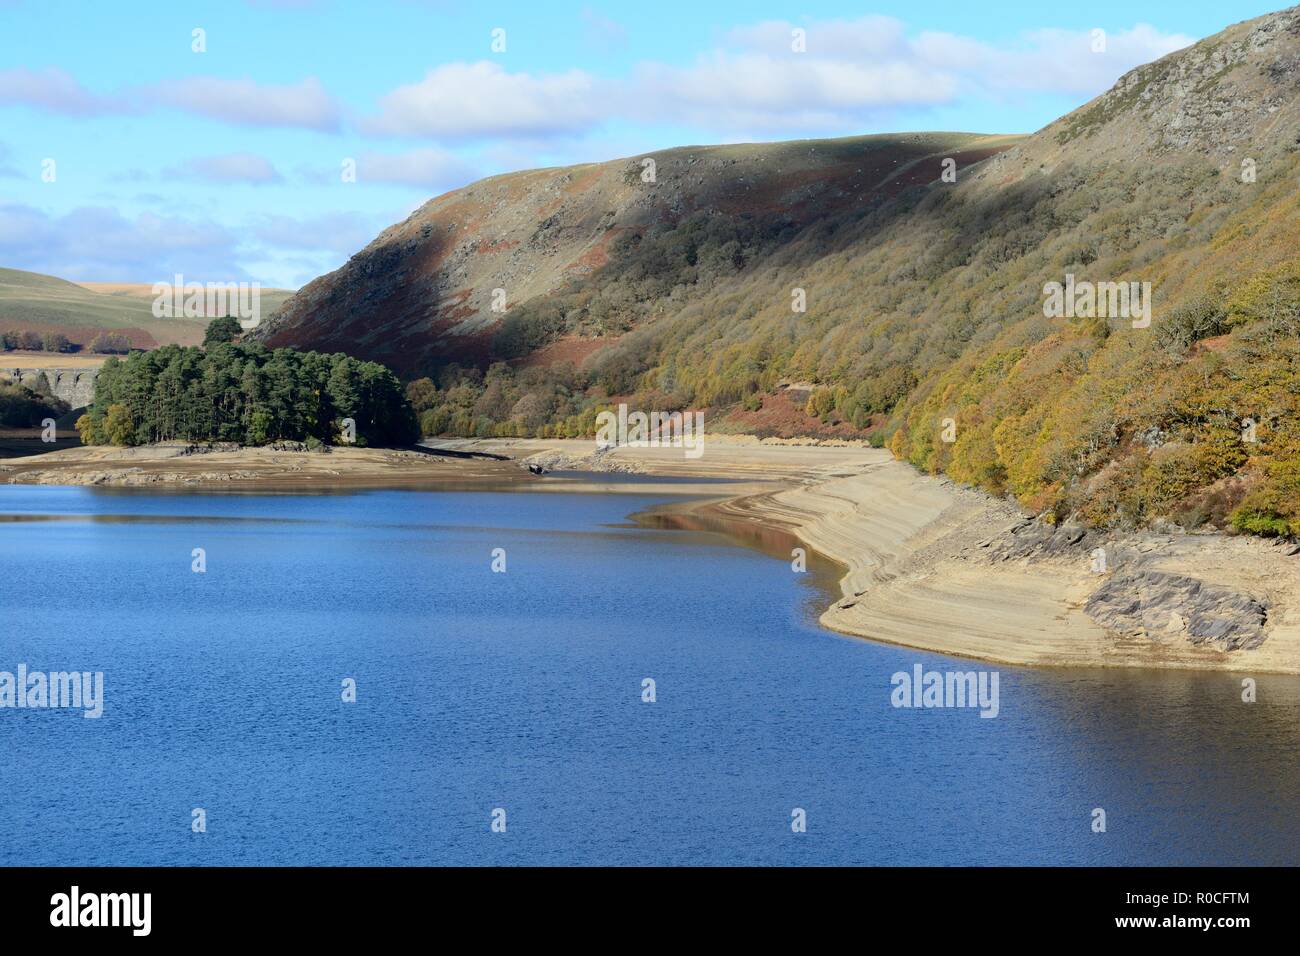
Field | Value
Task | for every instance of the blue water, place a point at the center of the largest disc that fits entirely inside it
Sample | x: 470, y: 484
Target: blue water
x: 522, y: 691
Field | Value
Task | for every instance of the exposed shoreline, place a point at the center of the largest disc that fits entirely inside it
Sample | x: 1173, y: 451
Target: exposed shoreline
x: 926, y: 564
x: 935, y: 566
x: 932, y: 566
x: 178, y: 465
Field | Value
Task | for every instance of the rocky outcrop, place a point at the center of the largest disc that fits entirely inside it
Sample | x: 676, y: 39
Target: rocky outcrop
x: 1041, y: 539
x: 1136, y: 600
x: 1212, y: 97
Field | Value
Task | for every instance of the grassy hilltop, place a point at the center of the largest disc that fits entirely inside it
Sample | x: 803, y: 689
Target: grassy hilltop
x: 41, y: 303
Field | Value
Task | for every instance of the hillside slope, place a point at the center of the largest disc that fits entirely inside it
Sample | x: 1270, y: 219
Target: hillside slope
x: 31, y: 301
x: 926, y: 300
x: 422, y: 292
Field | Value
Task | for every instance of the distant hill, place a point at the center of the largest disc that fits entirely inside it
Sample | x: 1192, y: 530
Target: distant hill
x: 41, y: 303
x: 928, y: 323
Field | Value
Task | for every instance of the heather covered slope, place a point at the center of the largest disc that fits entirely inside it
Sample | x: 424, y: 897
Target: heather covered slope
x: 924, y: 324
x: 421, y: 294
x: 1185, y: 175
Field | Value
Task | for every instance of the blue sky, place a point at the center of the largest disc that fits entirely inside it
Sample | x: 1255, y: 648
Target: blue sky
x: 227, y: 164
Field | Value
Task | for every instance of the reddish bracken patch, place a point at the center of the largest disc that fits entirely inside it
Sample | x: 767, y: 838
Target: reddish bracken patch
x: 597, y: 255
x: 453, y: 308
x: 573, y: 350
x: 1216, y: 344
x: 782, y: 415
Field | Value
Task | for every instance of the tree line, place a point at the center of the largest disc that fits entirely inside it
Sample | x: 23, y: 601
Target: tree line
x: 247, y: 394
x: 105, y: 343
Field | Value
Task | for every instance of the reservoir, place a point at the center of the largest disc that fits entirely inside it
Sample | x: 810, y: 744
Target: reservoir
x: 524, y: 691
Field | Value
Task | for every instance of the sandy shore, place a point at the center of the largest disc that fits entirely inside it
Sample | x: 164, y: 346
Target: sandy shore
x: 927, y: 564
x: 255, y: 469
x: 931, y: 565
x: 926, y: 569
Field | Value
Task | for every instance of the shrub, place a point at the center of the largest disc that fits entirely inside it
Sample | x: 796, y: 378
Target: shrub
x: 1258, y: 515
x: 119, y: 427
x: 110, y: 343
x: 224, y: 328
x: 1200, y: 319
x: 89, y: 427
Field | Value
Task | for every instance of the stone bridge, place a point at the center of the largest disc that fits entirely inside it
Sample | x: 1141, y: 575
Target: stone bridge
x: 76, y: 386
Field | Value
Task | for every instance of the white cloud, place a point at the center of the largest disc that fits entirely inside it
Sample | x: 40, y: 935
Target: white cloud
x: 230, y: 168
x: 762, y: 91
x: 99, y: 243
x: 54, y: 90
x: 244, y: 102
x: 480, y: 100
x: 852, y: 70
x: 850, y: 74
x: 1058, y: 61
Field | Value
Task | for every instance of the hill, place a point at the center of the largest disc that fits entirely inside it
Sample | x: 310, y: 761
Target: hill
x: 30, y: 301
x: 929, y: 321
x: 425, y: 291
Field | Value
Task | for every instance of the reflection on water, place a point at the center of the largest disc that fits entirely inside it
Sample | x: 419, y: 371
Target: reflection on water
x: 822, y: 574
x: 522, y: 690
